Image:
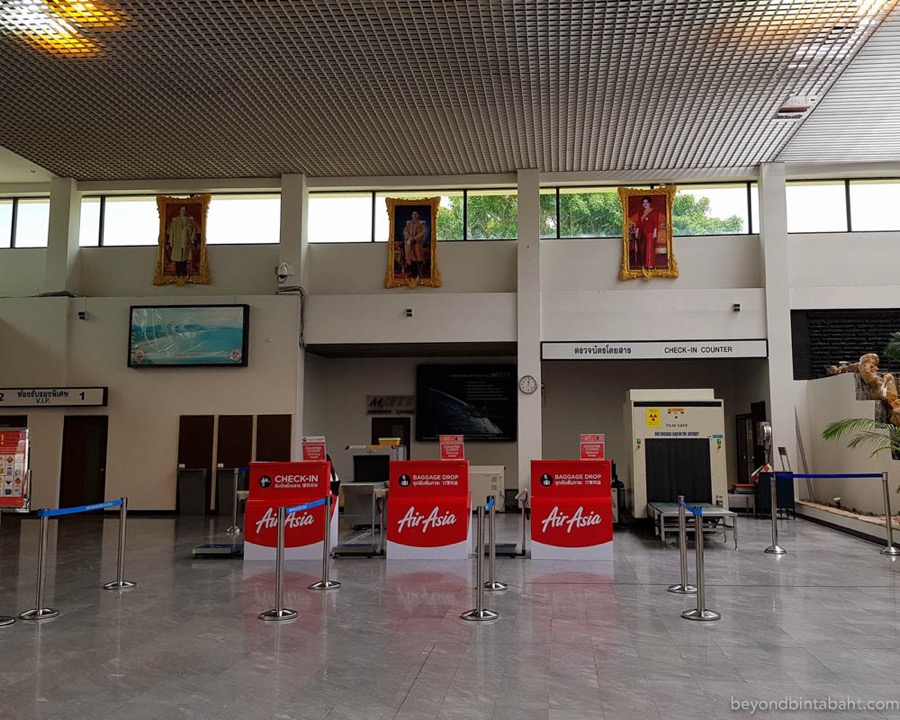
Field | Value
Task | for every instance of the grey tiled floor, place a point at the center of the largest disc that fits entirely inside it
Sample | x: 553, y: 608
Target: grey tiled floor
x: 576, y: 640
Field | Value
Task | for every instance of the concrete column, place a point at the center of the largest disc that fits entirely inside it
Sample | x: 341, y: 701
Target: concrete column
x: 774, y: 240
x: 528, y: 323
x: 293, y: 249
x: 61, y: 273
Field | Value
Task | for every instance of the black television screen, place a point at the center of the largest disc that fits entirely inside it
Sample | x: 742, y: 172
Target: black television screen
x: 475, y: 401
x: 188, y: 335
x: 371, y: 467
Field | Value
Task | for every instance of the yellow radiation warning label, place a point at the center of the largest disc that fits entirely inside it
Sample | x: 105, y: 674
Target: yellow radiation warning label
x: 654, y: 417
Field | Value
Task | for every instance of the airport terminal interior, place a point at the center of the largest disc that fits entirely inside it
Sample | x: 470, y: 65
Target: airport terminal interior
x: 612, y: 254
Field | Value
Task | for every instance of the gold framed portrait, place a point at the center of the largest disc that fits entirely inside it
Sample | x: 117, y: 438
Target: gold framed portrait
x: 412, y: 243
x: 181, y: 254
x: 647, y: 233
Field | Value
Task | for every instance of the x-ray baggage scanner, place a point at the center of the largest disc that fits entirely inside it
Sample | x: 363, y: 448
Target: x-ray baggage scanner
x: 677, y: 447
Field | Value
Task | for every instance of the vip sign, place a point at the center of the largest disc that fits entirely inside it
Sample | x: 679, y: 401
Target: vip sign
x: 429, y: 510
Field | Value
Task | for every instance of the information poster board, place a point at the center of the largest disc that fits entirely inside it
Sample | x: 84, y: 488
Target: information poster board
x: 313, y: 448
x: 429, y: 510
x: 276, y: 484
x: 571, y: 510
x: 14, y: 454
x: 593, y: 446
x: 452, y: 447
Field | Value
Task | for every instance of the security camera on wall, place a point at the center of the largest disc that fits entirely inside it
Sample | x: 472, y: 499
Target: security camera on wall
x: 283, y: 272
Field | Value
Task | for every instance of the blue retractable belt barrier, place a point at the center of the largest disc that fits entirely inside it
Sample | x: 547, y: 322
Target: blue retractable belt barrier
x: 306, y: 506
x: 827, y: 475
x: 82, y: 508
x: 490, y: 504
x: 695, y: 510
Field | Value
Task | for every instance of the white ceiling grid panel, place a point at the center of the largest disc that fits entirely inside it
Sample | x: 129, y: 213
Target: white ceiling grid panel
x: 859, y: 120
x: 354, y: 88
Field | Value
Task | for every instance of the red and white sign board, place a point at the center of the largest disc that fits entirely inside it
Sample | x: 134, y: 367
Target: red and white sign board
x: 571, y: 510
x: 429, y: 510
x: 14, y: 469
x: 593, y: 446
x: 452, y: 447
x: 313, y: 448
x: 277, y: 484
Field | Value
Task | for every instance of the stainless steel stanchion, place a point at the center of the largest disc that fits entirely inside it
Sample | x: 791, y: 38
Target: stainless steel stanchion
x: 774, y: 548
x: 39, y: 612
x: 234, y: 529
x: 889, y: 529
x: 479, y: 613
x: 682, y: 588
x: 522, y: 497
x: 325, y: 583
x: 700, y: 612
x: 280, y: 612
x: 120, y: 583
x: 492, y: 584
x: 5, y: 619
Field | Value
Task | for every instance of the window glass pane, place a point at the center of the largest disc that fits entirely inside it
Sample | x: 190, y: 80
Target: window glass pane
x: 5, y: 222
x: 450, y: 216
x: 710, y: 210
x: 548, y: 213
x: 243, y: 219
x: 873, y: 203
x: 89, y: 230
x: 32, y: 222
x: 130, y: 221
x: 492, y: 215
x: 450, y: 212
x: 340, y: 218
x: 589, y: 212
x: 816, y: 207
x: 754, y: 206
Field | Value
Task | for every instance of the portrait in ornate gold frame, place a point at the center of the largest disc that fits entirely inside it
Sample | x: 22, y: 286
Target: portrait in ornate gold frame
x: 647, y: 233
x: 181, y: 256
x: 412, y: 243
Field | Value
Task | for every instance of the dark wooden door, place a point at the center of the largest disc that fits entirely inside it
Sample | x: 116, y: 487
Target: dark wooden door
x: 744, y: 434
x: 83, y: 474
x: 14, y: 421
x: 195, y: 447
x: 273, y: 438
x: 392, y: 426
x: 758, y: 414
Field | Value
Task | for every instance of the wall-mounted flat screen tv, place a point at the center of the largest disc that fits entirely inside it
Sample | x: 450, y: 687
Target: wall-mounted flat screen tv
x: 188, y: 336
x: 475, y: 401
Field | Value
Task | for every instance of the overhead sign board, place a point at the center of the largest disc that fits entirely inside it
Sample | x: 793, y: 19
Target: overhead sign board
x: 53, y: 397
x: 653, y: 350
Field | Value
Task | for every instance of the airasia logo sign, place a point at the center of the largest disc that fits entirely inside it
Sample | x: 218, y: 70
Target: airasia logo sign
x: 558, y: 519
x: 414, y: 519
x: 270, y: 520
x: 432, y: 526
x: 301, y: 528
x: 574, y: 524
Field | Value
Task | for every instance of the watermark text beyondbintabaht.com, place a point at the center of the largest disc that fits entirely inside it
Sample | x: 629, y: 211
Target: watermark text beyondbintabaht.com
x: 827, y: 704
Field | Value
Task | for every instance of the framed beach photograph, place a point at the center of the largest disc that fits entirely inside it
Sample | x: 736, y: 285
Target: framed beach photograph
x: 181, y: 256
x: 412, y: 243
x: 647, y: 233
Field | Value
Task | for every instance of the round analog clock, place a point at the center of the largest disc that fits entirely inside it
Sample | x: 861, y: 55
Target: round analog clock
x: 528, y: 384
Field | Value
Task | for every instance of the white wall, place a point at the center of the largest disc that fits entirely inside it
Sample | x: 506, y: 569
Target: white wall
x: 834, y: 398
x: 586, y: 396
x: 465, y: 267
x: 234, y: 269
x: 45, y: 344
x: 22, y: 271
x: 350, y: 380
x: 843, y: 270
